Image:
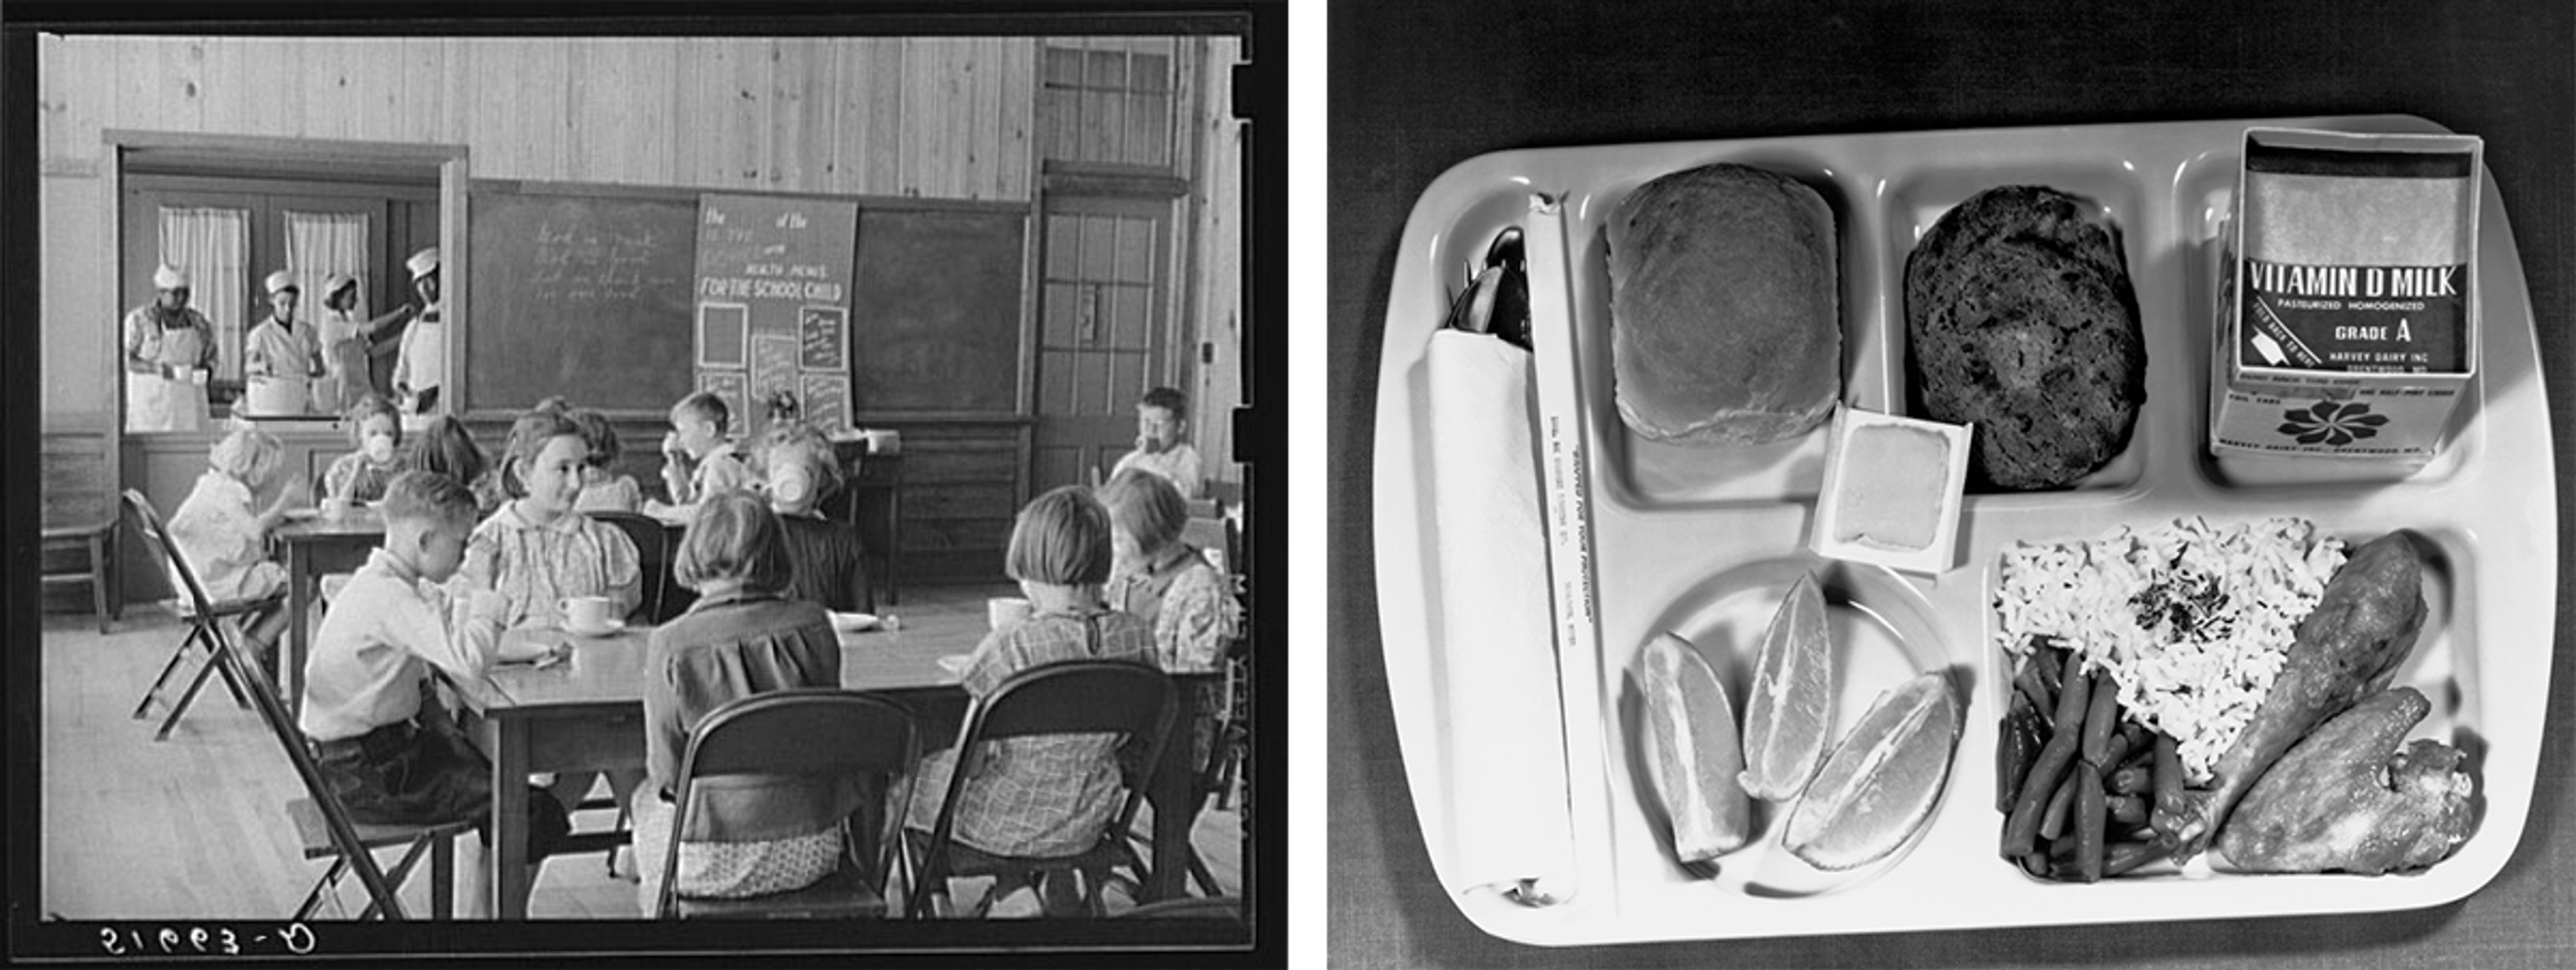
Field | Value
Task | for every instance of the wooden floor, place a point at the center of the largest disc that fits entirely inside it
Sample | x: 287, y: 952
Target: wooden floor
x: 195, y: 827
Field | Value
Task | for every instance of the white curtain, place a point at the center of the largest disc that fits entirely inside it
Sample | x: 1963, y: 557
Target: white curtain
x: 319, y: 244
x: 213, y: 247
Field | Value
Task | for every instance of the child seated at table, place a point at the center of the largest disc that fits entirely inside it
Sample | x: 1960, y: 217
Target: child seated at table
x: 224, y: 539
x: 360, y: 476
x: 749, y: 836
x: 444, y: 447
x: 830, y: 565
x: 697, y: 460
x: 603, y: 490
x: 1160, y: 420
x: 1042, y: 796
x: 1162, y: 580
x: 536, y: 551
x: 383, y: 745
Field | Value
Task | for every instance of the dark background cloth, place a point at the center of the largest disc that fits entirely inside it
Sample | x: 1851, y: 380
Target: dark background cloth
x: 1418, y: 87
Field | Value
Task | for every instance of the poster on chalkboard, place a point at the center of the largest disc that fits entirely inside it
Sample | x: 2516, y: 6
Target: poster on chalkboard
x: 827, y: 400
x: 724, y: 333
x: 823, y: 339
x: 785, y: 261
x: 734, y: 388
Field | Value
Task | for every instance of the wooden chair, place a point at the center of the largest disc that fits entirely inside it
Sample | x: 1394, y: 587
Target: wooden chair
x: 1068, y: 697
x: 862, y: 737
x: 321, y: 822
x: 95, y: 540
x: 205, y: 620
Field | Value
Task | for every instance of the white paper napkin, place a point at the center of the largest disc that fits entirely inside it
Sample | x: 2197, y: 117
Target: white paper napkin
x: 1505, y: 736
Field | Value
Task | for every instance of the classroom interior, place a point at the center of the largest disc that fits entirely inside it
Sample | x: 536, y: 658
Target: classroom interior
x: 1019, y: 236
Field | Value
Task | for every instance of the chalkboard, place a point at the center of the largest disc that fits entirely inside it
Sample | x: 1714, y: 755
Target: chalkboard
x: 935, y: 311
x: 586, y: 296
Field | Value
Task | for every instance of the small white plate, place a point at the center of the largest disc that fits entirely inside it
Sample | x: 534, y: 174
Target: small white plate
x: 600, y: 631
x: 854, y: 622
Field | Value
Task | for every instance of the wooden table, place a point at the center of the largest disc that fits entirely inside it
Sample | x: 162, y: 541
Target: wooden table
x: 315, y: 546
x: 587, y: 714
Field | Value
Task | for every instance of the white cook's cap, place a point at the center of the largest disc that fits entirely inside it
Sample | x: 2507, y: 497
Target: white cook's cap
x: 337, y: 280
x: 282, y: 280
x: 169, y: 278
x: 423, y: 263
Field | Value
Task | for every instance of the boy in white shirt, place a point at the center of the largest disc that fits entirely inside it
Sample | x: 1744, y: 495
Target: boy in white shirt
x: 1159, y: 448
x: 388, y: 752
x: 697, y: 459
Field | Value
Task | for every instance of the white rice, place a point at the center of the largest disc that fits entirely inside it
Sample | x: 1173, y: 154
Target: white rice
x: 2198, y: 670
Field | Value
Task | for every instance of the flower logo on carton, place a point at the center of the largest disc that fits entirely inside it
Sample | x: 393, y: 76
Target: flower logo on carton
x: 2331, y: 424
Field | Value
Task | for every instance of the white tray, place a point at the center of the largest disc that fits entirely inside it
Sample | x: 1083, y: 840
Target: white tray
x: 1704, y: 542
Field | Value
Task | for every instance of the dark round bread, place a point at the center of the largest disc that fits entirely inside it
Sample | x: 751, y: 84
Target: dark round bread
x: 1726, y: 324
x: 2020, y: 319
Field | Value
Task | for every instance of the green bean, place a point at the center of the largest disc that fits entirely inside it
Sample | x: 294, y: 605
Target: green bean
x: 2126, y: 808
x: 2132, y: 780
x: 2169, y: 799
x: 2053, y: 823
x: 2112, y: 754
x: 2052, y: 672
x: 2100, y: 718
x: 2091, y: 818
x: 2021, y: 828
x: 2016, y: 745
x: 2027, y: 687
x: 2072, y: 698
x: 2130, y: 855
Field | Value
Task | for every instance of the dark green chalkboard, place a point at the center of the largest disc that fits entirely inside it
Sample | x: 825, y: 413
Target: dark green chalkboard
x: 935, y: 311
x: 577, y: 294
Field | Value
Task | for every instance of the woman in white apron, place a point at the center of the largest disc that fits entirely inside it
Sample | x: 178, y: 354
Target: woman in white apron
x: 166, y: 343
x: 423, y: 367
x: 278, y: 358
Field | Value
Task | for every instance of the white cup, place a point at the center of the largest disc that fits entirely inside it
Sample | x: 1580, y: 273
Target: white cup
x: 588, y: 612
x: 1005, y: 612
x: 335, y: 507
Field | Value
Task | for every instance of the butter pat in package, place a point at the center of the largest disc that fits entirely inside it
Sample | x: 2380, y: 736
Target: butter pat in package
x: 2347, y: 317
x: 1892, y: 491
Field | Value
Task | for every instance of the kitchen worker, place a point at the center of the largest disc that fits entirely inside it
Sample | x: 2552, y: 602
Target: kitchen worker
x: 281, y: 353
x: 349, y: 344
x: 422, y: 369
x: 165, y: 337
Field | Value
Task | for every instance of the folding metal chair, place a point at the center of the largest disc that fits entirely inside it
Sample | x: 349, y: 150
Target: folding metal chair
x: 205, y: 619
x: 817, y: 732
x: 1068, y: 697
x: 321, y: 822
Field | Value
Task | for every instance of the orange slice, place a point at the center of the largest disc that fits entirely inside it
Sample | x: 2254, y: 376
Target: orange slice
x: 1696, y: 752
x: 1880, y: 783
x: 1789, y: 712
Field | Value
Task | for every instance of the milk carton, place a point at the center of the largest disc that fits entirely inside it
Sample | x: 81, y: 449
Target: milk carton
x: 2347, y: 300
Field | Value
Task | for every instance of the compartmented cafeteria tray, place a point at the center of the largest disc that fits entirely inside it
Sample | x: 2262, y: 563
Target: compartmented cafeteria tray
x: 1705, y: 542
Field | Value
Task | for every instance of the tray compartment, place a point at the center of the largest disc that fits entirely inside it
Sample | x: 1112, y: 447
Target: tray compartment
x: 1883, y: 633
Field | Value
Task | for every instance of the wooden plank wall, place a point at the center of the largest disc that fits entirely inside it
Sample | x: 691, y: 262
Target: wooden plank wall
x: 930, y: 117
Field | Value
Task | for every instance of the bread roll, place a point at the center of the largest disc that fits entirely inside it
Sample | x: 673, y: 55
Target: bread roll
x: 1726, y: 325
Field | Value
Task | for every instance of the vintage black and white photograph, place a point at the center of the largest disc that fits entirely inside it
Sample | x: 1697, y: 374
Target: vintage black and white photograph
x: 549, y: 482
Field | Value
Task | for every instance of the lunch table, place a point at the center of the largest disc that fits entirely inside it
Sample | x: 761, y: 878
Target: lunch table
x: 316, y: 546
x: 586, y: 713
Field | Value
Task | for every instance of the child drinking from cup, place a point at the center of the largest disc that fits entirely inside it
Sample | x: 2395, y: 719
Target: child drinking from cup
x: 1043, y: 795
x: 361, y: 475
x: 742, y: 637
x: 224, y: 538
x: 697, y: 460
x: 830, y: 565
x: 1161, y: 418
x: 603, y: 490
x: 383, y: 745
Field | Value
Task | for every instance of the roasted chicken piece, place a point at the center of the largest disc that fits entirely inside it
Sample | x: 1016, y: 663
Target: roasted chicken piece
x: 2348, y: 799
x: 2346, y: 649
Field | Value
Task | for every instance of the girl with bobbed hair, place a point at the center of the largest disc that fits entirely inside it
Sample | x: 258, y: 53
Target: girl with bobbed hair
x: 225, y: 539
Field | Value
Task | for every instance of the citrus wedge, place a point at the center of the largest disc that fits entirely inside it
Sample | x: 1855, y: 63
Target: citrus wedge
x: 1696, y: 752
x: 1880, y: 783
x: 1789, y: 712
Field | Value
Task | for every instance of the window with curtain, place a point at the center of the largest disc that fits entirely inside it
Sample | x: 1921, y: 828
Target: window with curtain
x: 213, y: 247
x: 1108, y: 100
x: 319, y: 244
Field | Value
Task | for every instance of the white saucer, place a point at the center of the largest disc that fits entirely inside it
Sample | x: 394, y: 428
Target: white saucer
x: 601, y: 631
